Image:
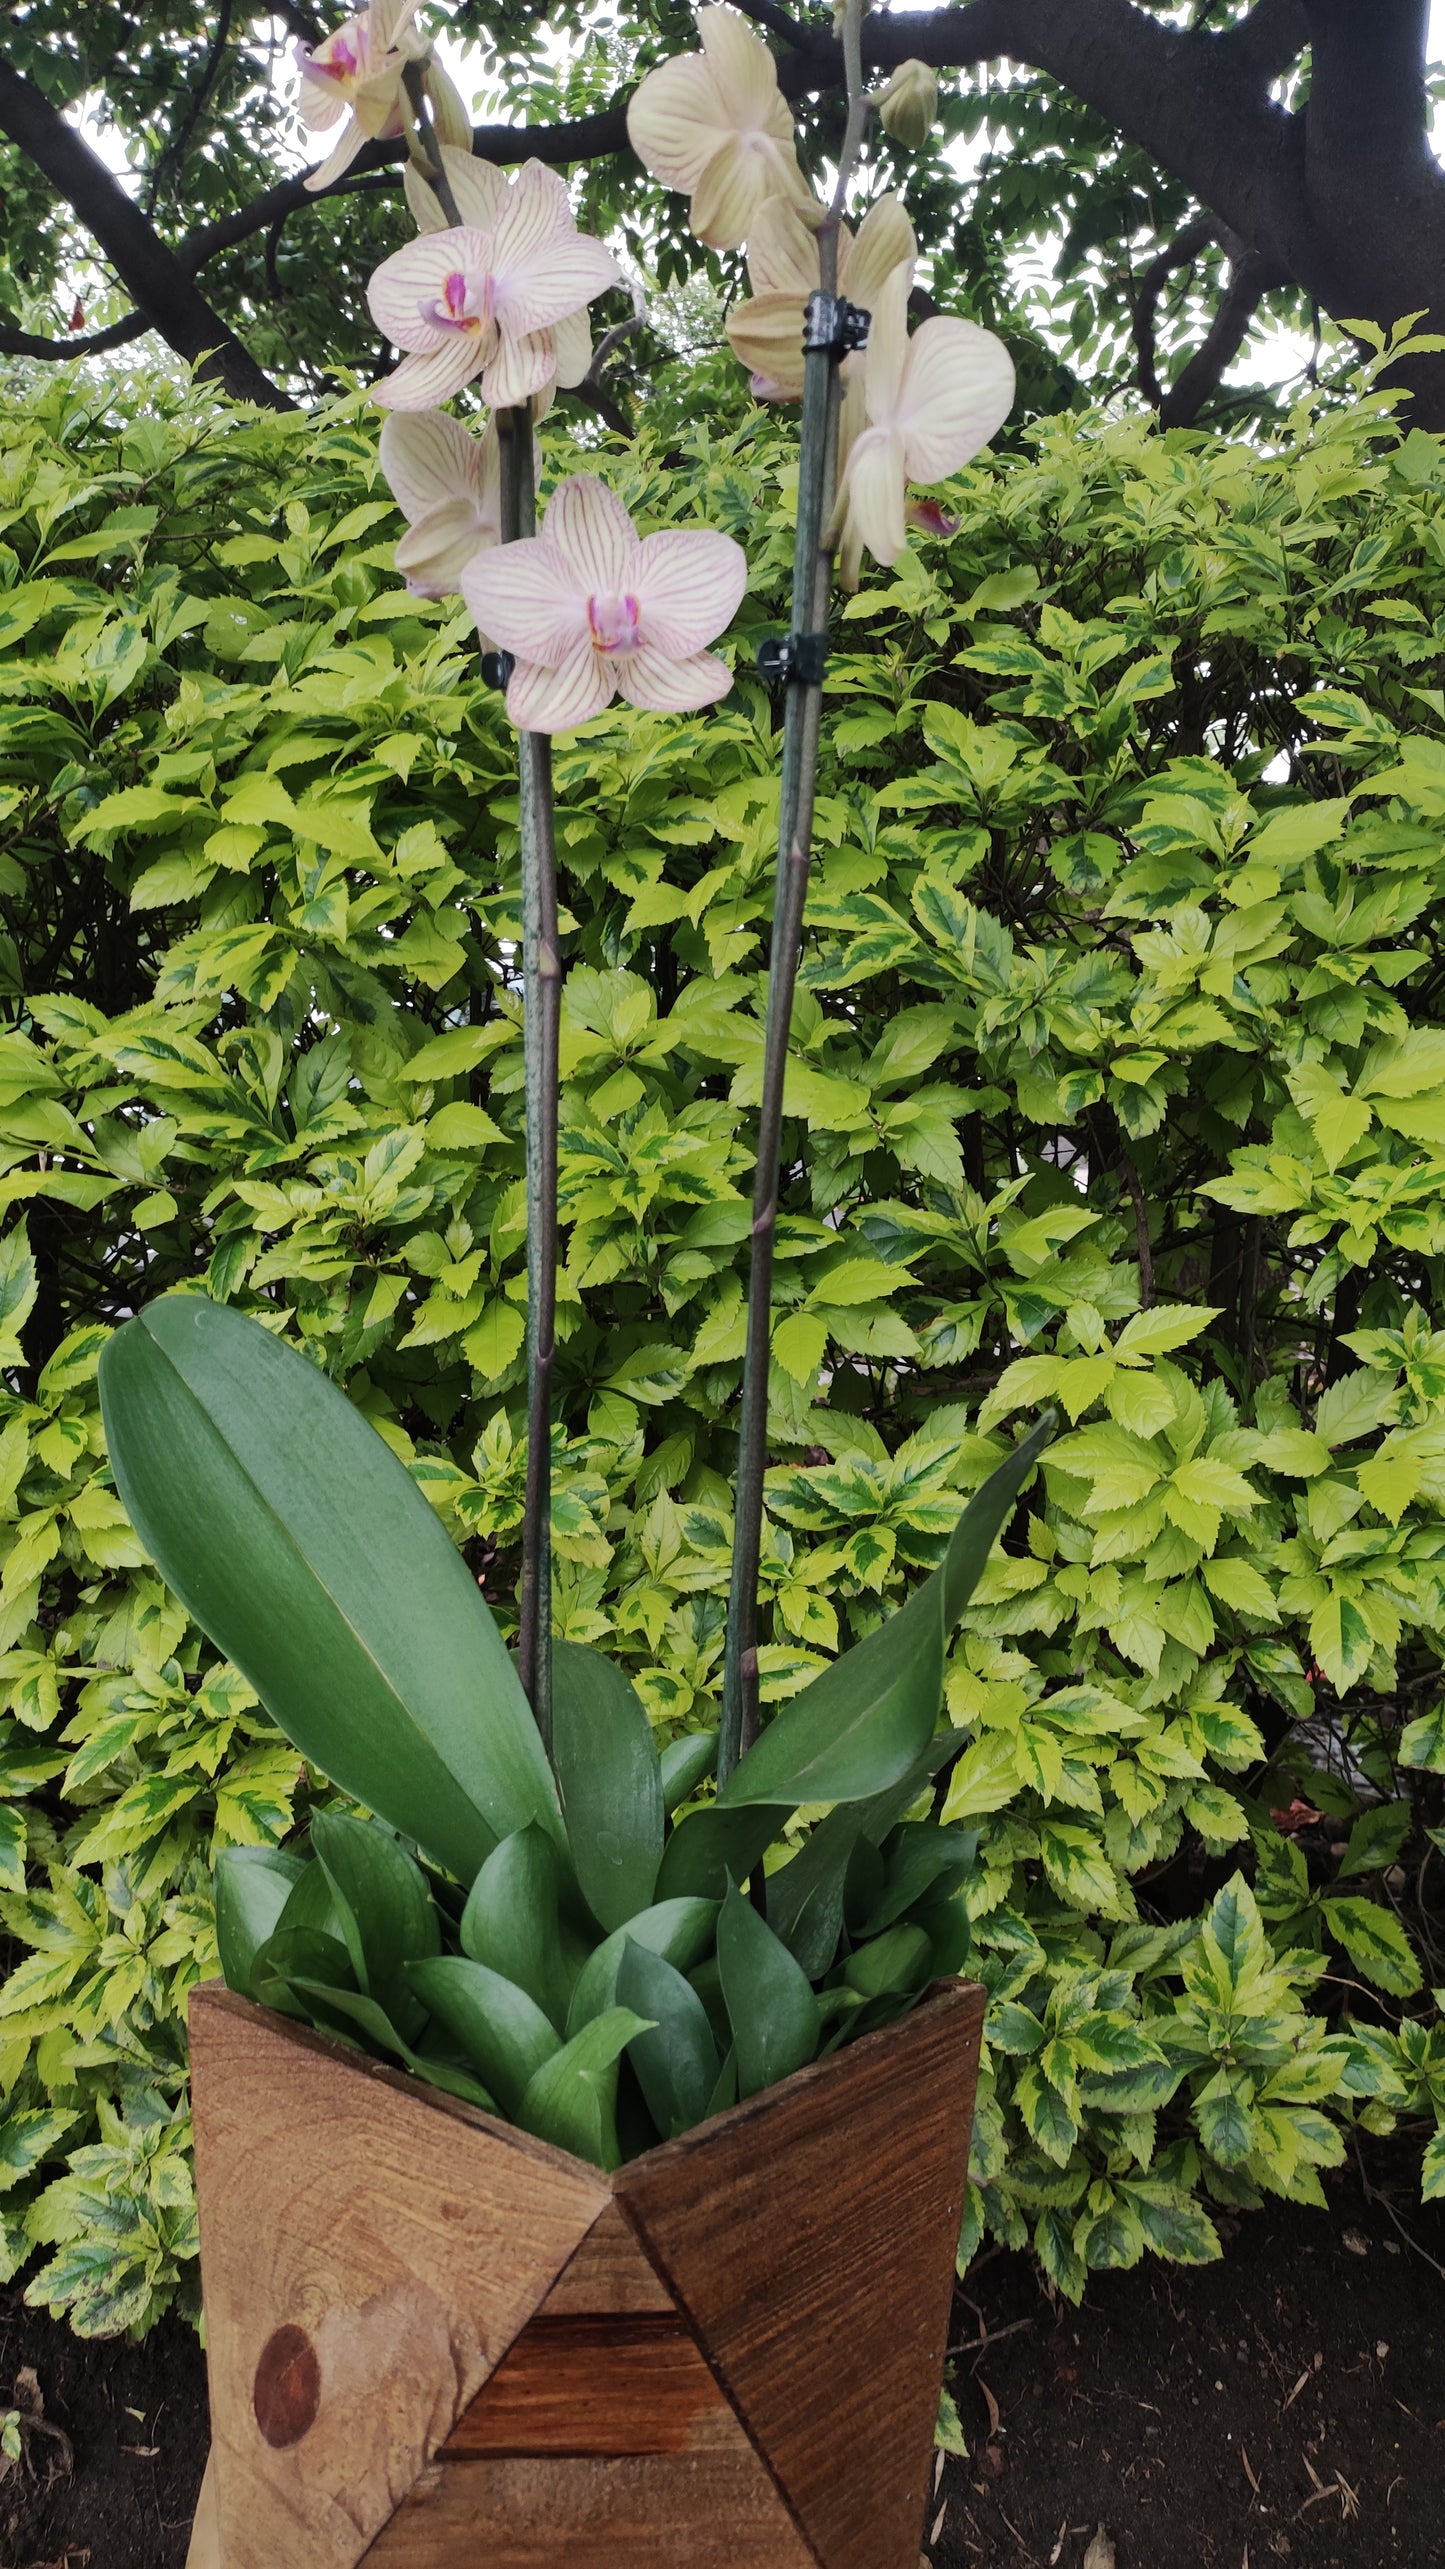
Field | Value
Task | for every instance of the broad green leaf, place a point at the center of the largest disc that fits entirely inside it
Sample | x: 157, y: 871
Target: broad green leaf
x: 500, y: 2029
x: 571, y: 2100
x: 1376, y: 1838
x: 607, y: 1768
x: 859, y: 1726
x: 685, y: 1763
x: 297, y: 1540
x: 385, y: 1905
x: 1225, y: 2119
x: 253, y: 1884
x: 1375, y: 1942
x: 770, y: 2003
x: 513, y: 1921
x: 681, y: 1931
x: 805, y: 1896
x: 900, y: 1958
x: 676, y: 2060
x: 349, y: 2012
x: 711, y: 1848
x: 305, y: 1956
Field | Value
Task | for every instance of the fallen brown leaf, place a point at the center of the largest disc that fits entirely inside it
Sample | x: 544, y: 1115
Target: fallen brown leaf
x: 1294, y: 2394
x: 1100, y: 2554
x: 1249, y: 2470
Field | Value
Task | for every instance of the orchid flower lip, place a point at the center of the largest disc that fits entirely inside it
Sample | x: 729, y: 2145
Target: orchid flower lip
x: 615, y: 623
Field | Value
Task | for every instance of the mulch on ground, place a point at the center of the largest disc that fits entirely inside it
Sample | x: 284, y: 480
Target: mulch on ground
x: 1286, y: 2406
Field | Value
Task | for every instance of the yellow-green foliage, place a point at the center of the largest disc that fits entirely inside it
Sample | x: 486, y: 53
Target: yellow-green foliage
x: 1119, y: 1080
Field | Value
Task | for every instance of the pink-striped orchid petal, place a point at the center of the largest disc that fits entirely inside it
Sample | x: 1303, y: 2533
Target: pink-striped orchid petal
x: 717, y: 125
x: 766, y: 333
x: 589, y: 526
x: 448, y: 485
x: 652, y: 679
x: 572, y: 346
x: 360, y: 67
x: 560, y: 697
x: 693, y: 581
x: 931, y: 403
x: 530, y: 601
x: 478, y: 188
x: 590, y: 610
x: 481, y: 299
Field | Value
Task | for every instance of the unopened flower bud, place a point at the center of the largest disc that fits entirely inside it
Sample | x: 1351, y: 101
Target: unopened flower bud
x: 908, y: 106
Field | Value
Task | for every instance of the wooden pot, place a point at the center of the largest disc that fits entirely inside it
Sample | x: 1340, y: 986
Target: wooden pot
x: 434, y: 2340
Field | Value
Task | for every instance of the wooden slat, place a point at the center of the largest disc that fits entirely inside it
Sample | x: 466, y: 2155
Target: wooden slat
x: 204, y: 2551
x: 370, y: 2249
x: 608, y: 2272
x: 810, y: 2234
x: 715, y: 2510
x: 628, y: 2382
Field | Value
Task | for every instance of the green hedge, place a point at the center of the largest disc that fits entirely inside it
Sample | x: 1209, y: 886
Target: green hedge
x: 1119, y: 1079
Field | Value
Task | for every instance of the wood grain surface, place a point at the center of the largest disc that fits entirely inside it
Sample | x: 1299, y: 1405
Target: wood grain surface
x: 369, y: 2251
x: 810, y: 2234
x: 713, y: 2510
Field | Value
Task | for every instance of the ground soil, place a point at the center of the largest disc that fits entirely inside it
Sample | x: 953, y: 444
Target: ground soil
x: 1286, y: 2406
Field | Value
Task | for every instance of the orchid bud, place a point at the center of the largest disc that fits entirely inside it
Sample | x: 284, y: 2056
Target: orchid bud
x: 908, y: 107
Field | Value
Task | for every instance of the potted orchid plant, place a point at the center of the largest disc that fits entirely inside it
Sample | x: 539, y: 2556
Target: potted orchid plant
x: 558, y: 2119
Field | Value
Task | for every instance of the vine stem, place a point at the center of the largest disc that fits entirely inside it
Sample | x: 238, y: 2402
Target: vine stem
x: 542, y: 985
x: 812, y: 582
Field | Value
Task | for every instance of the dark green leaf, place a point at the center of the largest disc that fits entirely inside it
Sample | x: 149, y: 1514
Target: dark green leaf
x: 296, y: 1539
x: 571, y: 2100
x: 513, y: 1921
x: 253, y: 1884
x: 771, y: 2007
x: 607, y: 1767
x: 901, y: 1958
x: 384, y: 1899
x: 303, y: 1955
x: 500, y: 2029
x: 676, y: 2060
x: 859, y: 1726
x: 680, y: 1930
x: 685, y: 1764
x: 712, y: 1848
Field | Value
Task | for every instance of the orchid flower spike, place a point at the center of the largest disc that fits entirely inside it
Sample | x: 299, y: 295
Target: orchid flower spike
x: 448, y: 484
x: 362, y: 68
x: 486, y: 299
x: 717, y: 125
x: 591, y: 610
x: 767, y: 332
x: 930, y: 403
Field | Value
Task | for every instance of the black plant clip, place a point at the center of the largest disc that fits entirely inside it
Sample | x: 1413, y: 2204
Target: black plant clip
x: 497, y: 667
x: 834, y: 325
x: 798, y: 658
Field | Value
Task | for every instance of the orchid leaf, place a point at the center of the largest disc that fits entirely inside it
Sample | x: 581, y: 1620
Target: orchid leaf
x: 386, y: 1907
x: 676, y: 2060
x: 253, y: 1884
x: 571, y: 2100
x: 607, y: 1767
x: 513, y: 1921
x: 859, y: 1726
x: 502, y: 2031
x: 299, y: 1543
x: 770, y: 2002
x: 686, y: 1763
x: 681, y: 1931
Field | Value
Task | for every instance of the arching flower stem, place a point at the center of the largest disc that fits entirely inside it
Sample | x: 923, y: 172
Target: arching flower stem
x: 425, y: 148
x: 812, y: 583
x: 542, y: 984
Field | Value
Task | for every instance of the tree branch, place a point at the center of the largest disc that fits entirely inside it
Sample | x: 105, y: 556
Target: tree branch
x: 1269, y: 40
x: 163, y: 288
x: 1249, y: 282
x: 23, y: 343
x: 1179, y: 253
x: 175, y: 151
x: 1367, y: 83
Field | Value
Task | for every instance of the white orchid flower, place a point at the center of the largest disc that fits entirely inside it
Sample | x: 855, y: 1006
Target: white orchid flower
x: 591, y: 610
x: 716, y: 125
x: 448, y: 485
x: 491, y: 299
x: 927, y: 405
x: 360, y: 73
x: 767, y: 331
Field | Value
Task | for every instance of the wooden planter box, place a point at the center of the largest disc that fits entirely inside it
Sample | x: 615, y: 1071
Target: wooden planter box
x: 434, y: 2340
